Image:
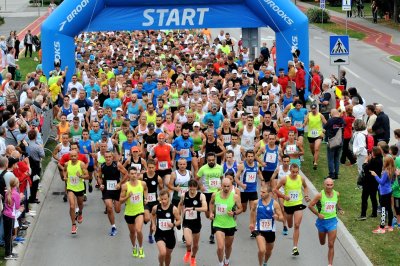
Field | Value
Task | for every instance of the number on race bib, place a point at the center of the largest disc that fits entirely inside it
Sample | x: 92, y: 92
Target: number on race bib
x: 185, y: 153
x: 126, y: 153
x: 227, y: 138
x: 291, y: 149
x: 132, y: 117
x: 221, y: 209
x: 265, y: 224
x: 111, y: 184
x: 76, y: 138
x: 163, y: 224
x: 249, y: 109
x: 190, y: 215
x: 149, y: 147
x: 82, y: 110
x: 174, y: 102
x: 294, y: 195
x: 74, y: 180
x: 314, y: 133
x: 137, y: 166
x: 251, y: 177
x: 214, y: 182
x: 182, y: 190
x: 162, y: 165
x: 151, y: 197
x: 298, y: 124
x: 330, y: 207
x: 271, y: 157
x: 136, y: 198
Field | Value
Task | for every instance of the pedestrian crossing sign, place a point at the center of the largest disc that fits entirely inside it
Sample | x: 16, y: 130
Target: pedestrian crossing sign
x: 339, y: 45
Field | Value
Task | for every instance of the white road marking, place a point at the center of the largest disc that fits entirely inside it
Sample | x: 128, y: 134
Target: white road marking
x: 395, y: 81
x: 321, y: 53
x: 351, y: 72
x: 383, y: 95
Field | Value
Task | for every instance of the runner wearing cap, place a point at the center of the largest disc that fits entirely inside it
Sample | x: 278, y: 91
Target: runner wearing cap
x: 315, y: 122
x: 283, y: 133
x: 163, y: 154
x: 134, y: 160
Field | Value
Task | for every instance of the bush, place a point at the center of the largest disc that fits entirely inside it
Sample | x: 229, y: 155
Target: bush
x: 335, y: 2
x: 1, y: 20
x: 315, y: 15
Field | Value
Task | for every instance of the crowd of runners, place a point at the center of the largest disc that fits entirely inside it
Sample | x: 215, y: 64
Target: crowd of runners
x: 168, y: 125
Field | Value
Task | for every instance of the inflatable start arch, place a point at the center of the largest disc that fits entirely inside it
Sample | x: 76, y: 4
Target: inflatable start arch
x: 75, y: 16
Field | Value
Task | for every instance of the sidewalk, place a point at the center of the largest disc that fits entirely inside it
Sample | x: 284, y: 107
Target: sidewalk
x: 377, y: 35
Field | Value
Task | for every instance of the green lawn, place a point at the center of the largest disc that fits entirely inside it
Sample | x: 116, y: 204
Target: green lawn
x: 340, y: 30
x: 395, y: 58
x: 27, y: 65
x: 380, y: 249
x: 367, y: 8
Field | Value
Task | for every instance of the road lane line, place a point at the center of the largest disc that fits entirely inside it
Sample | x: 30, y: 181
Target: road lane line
x: 351, y: 72
x: 321, y: 53
x: 384, y: 95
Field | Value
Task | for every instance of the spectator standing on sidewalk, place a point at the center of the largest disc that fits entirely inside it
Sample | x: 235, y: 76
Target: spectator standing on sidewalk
x: 370, y: 118
x: 374, y: 9
x: 347, y: 152
x: 28, y: 42
x: 381, y: 126
x: 3, y: 47
x: 16, y: 46
x: 12, y: 65
x: 334, y: 132
x: 36, y: 154
x: 360, y: 143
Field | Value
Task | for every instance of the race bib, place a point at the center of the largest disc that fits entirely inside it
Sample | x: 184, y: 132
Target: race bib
x: 126, y: 153
x: 163, y: 224
x: 182, y: 190
x: 214, y: 183
x: 249, y: 109
x: 251, y: 177
x: 137, y: 166
x: 151, y: 197
x: 298, y: 124
x: 82, y: 110
x: 191, y: 215
x: 221, y: 209
x: 76, y: 138
x: 150, y: 146
x: 330, y: 207
x: 162, y: 165
x: 185, y: 153
x: 174, y: 102
x: 136, y: 198
x: 74, y: 180
x: 271, y: 157
x: 264, y: 97
x: 314, y: 133
x: 227, y: 138
x: 291, y: 149
x: 294, y: 195
x: 265, y: 224
x: 132, y: 117
x: 112, y: 184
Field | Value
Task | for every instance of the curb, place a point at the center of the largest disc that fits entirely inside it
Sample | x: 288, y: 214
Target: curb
x: 47, y: 180
x: 343, y: 235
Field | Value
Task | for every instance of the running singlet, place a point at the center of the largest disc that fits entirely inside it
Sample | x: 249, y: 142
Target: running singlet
x: 265, y: 216
x: 137, y: 164
x: 192, y: 217
x: 134, y: 205
x: 247, y: 141
x: 327, y: 206
x: 111, y: 176
x: 152, y: 187
x: 211, y: 177
x: 183, y: 145
x: 163, y: 218
x: 293, y: 190
x: 63, y: 150
x: 74, y: 183
x: 181, y: 181
x: 150, y: 141
x: 163, y: 155
x: 133, y: 113
x: 234, y: 167
x: 222, y: 207
x: 271, y: 158
x: 314, y: 125
x: 226, y: 137
x: 85, y: 147
x: 249, y: 177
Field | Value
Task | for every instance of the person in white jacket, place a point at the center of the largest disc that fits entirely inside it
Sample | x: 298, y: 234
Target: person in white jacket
x: 360, y: 142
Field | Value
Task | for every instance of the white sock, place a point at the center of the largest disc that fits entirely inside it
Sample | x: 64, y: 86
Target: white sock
x: 113, y: 226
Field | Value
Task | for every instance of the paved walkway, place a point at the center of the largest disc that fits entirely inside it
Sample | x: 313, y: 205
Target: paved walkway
x: 377, y: 35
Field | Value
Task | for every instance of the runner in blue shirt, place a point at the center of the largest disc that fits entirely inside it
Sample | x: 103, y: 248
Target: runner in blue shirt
x: 183, y: 146
x: 215, y: 116
x: 298, y: 115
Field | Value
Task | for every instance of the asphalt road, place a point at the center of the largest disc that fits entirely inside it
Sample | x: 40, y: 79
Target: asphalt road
x: 52, y: 244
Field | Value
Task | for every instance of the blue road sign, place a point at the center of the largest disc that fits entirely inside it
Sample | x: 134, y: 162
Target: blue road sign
x: 339, y: 45
x: 322, y: 4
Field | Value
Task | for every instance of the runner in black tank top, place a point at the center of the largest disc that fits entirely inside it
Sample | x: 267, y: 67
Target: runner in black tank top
x: 213, y: 147
x: 269, y: 128
x: 111, y: 176
x: 190, y: 221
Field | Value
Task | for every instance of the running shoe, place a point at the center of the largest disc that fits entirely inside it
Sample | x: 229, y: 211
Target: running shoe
x: 21, y: 239
x: 84, y: 197
x: 211, y: 240
x: 226, y: 262
x: 315, y: 166
x: 186, y: 258
x: 11, y: 257
x: 264, y: 264
x: 285, y: 231
x: 113, y: 231
x: 361, y: 218
x: 193, y: 262
x: 90, y: 187
x: 253, y: 235
x: 151, y: 239
x: 379, y: 231
x: 79, y: 218
x: 389, y: 228
x: 74, y: 229
x: 65, y: 198
x: 135, y: 252
x: 105, y: 211
x: 141, y: 253
x: 295, y: 251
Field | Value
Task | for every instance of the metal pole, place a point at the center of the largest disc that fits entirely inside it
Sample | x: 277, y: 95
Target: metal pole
x: 346, y: 24
x: 38, y: 7
x: 322, y: 10
x: 338, y: 73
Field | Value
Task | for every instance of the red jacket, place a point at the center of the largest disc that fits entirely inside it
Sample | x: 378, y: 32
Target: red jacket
x: 348, y: 128
x: 22, y: 173
x: 300, y: 79
x: 283, y: 81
